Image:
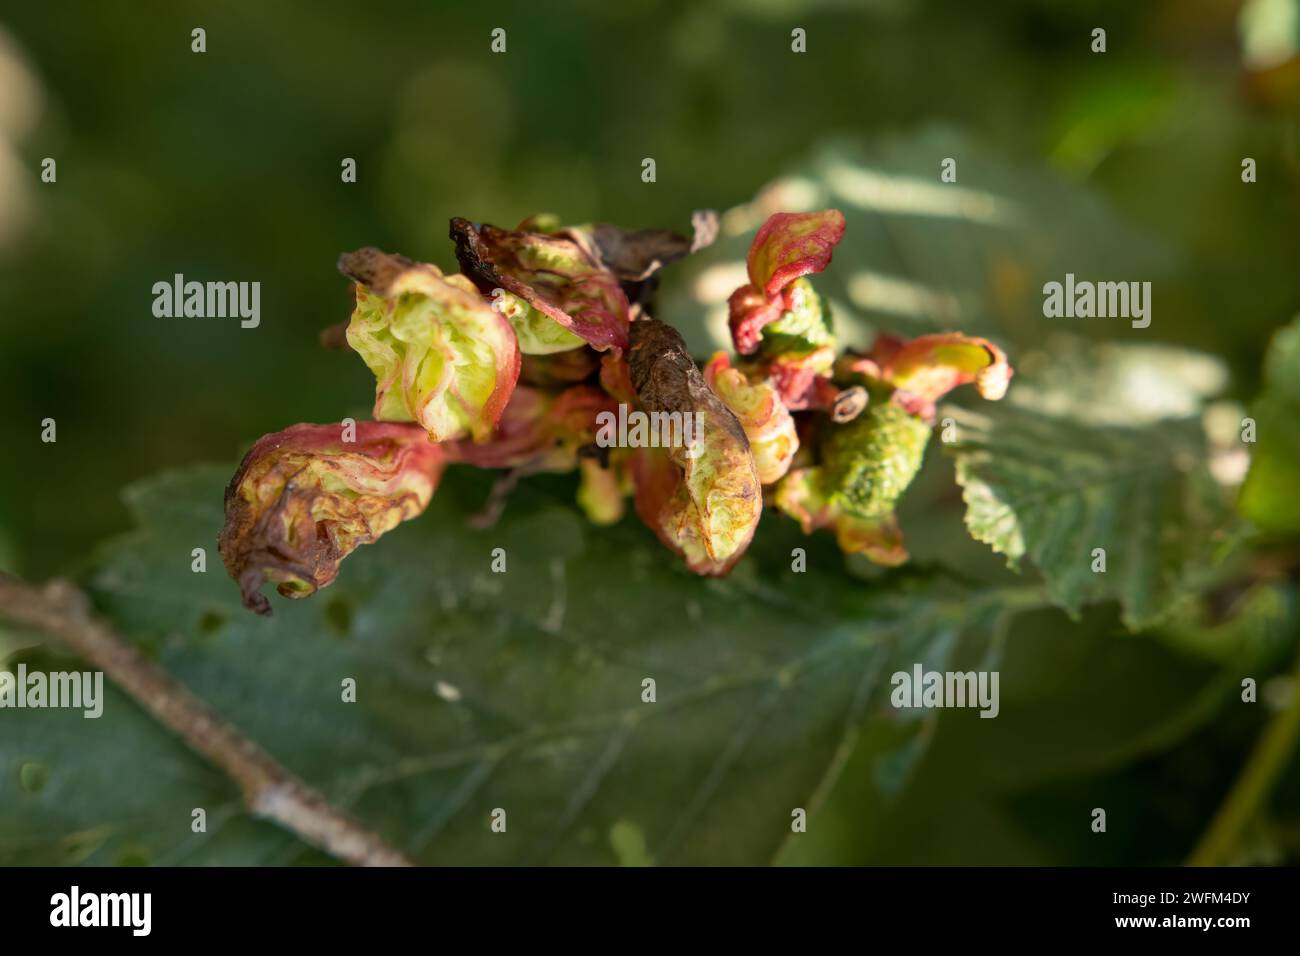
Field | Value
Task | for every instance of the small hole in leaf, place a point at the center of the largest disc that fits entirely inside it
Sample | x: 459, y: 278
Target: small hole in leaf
x: 211, y: 622
x: 133, y: 856
x: 32, y: 777
x: 338, y: 615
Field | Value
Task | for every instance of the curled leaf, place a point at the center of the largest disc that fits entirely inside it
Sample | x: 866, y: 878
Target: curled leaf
x: 804, y: 324
x: 303, y: 499
x: 540, y: 430
x: 704, y: 501
x: 924, y: 369
x: 773, y: 439
x: 750, y: 311
x: 787, y: 247
x: 556, y: 275
x: 633, y: 256
x: 797, y: 349
x: 440, y: 354
x: 537, y: 332
x: 800, y: 377
x: 793, y: 244
x: 802, y: 495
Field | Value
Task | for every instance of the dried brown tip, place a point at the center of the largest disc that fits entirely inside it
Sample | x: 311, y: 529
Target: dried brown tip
x: 849, y: 404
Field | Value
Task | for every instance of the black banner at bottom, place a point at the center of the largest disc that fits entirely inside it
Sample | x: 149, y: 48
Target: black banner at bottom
x: 335, y: 905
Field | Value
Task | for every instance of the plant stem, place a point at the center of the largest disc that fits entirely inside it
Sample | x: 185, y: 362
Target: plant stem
x: 1253, y: 785
x: 269, y: 790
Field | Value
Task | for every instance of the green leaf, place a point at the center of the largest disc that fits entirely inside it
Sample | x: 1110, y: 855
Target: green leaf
x: 538, y: 333
x: 1071, y: 464
x: 919, y: 255
x: 1078, y: 706
x: 1270, y: 496
x: 440, y: 354
x: 477, y: 690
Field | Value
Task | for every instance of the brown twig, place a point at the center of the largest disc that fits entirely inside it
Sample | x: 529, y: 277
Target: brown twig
x: 270, y: 792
